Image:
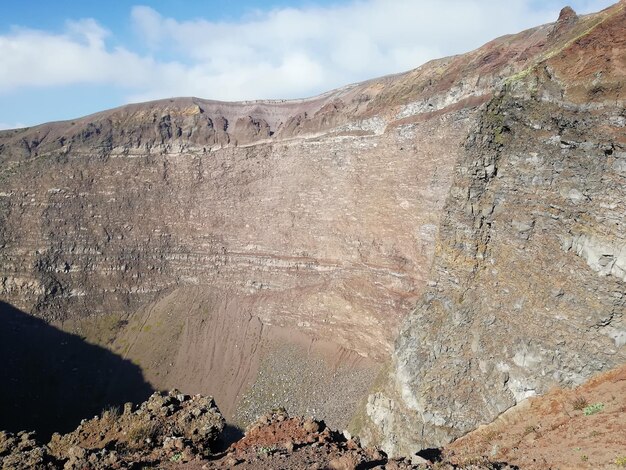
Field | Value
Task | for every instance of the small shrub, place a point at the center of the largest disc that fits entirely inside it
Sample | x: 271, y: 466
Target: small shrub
x: 593, y: 409
x: 267, y: 450
x: 142, y: 431
x: 620, y: 461
x: 580, y: 403
x: 490, y: 435
x: 528, y: 429
x: 176, y: 457
x: 584, y: 458
x: 110, y: 413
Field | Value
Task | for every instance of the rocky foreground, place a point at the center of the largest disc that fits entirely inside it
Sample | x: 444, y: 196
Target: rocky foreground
x: 579, y: 428
x: 174, y: 430
x: 167, y: 427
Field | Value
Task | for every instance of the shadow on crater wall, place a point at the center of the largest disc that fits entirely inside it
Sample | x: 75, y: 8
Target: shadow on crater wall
x: 50, y: 380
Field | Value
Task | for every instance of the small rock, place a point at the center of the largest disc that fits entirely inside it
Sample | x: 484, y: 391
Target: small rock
x: 353, y: 444
x: 76, y: 452
x: 231, y: 462
x: 311, y: 426
x: 345, y: 462
x: 112, y: 457
x: 417, y: 460
x: 576, y: 196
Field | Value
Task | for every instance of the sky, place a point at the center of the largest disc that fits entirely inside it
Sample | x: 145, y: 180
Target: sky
x: 64, y: 59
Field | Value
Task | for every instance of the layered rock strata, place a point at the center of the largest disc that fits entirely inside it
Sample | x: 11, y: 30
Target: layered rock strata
x: 527, y: 288
x: 194, y: 235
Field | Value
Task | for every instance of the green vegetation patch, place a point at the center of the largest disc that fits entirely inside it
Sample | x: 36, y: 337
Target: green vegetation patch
x: 593, y: 409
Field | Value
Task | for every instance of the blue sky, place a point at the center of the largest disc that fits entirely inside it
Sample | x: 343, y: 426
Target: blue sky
x: 66, y: 58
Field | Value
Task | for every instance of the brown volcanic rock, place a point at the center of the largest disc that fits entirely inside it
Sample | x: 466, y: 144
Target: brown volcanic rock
x: 168, y: 427
x: 579, y: 428
x: 160, y: 229
x: 22, y: 451
x: 527, y: 287
x: 279, y: 441
x: 178, y: 432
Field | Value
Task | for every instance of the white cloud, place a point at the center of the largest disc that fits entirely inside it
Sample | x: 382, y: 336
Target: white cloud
x: 30, y: 58
x: 282, y: 53
x: 16, y: 125
x: 89, y: 31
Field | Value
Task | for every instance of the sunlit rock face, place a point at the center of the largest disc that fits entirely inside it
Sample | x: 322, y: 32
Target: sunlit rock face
x: 527, y: 289
x: 200, y: 238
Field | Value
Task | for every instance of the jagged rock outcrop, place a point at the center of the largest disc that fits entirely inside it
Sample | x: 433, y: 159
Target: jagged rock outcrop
x: 175, y: 431
x: 567, y: 18
x: 21, y: 450
x: 527, y: 288
x: 168, y: 427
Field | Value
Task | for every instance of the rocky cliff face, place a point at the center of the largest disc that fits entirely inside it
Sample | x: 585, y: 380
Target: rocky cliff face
x: 197, y: 238
x: 527, y: 288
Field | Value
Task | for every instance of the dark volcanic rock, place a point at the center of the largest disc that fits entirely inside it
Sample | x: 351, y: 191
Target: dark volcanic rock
x: 567, y: 15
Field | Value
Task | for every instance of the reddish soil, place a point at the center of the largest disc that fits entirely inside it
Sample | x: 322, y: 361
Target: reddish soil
x: 279, y: 442
x: 586, y: 59
x: 557, y: 430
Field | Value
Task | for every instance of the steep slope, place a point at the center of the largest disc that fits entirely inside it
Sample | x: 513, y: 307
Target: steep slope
x: 193, y: 236
x: 528, y: 288
x: 580, y: 428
